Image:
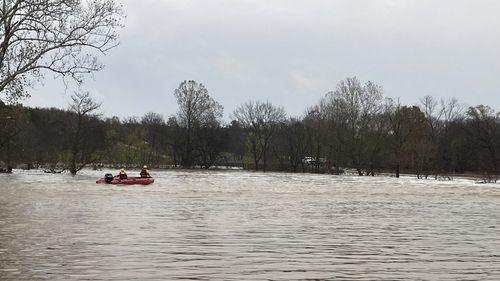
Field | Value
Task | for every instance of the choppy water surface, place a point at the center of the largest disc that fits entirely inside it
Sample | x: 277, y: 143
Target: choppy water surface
x: 247, y: 226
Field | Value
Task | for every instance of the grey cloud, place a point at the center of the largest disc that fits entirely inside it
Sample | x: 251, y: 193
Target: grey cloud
x: 293, y: 52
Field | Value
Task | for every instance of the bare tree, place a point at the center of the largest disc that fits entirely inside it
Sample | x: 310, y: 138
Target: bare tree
x: 289, y: 145
x: 353, y: 106
x: 196, y: 110
x: 410, y: 134
x: 451, y: 110
x: 428, y: 105
x: 450, y: 113
x: 64, y: 37
x: 335, y: 130
x: 261, y: 119
x: 83, y: 143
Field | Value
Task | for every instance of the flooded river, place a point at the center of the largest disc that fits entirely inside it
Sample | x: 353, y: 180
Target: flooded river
x: 235, y: 225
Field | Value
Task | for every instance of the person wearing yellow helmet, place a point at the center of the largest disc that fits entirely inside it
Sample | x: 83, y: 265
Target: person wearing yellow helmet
x: 122, y: 175
x: 145, y: 172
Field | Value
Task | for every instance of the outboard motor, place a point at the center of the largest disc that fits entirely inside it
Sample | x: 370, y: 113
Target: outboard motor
x: 108, y: 178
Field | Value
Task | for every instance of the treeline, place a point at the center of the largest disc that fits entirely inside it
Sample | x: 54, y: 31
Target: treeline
x: 351, y: 129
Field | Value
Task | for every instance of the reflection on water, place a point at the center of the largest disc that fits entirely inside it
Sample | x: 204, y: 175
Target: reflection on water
x: 247, y: 226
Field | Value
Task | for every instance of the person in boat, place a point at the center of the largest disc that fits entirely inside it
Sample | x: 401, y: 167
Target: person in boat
x: 122, y: 175
x: 144, y: 172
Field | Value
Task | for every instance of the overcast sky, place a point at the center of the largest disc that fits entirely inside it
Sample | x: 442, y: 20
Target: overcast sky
x: 292, y: 52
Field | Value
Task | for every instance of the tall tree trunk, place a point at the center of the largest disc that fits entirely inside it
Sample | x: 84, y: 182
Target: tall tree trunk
x: 255, y: 155
x: 264, y: 159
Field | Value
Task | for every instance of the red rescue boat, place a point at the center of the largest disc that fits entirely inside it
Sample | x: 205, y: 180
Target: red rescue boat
x: 109, y: 179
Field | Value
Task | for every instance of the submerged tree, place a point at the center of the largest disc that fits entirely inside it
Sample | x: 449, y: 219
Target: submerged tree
x: 210, y: 140
x: 294, y: 142
x: 261, y: 119
x: 155, y: 136
x: 353, y: 107
x: 315, y: 133
x: 86, y: 134
x: 47, y: 136
x: 11, y: 121
x: 484, y: 132
x: 58, y: 36
x: 196, y: 110
x: 409, y: 136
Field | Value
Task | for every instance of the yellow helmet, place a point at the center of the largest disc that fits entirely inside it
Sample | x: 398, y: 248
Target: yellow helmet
x: 145, y: 167
x: 122, y: 170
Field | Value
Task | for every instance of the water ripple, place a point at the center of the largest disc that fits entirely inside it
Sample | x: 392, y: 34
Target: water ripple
x: 217, y: 225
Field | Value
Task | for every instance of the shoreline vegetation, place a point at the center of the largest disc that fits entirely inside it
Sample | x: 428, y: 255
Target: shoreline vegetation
x: 353, y: 129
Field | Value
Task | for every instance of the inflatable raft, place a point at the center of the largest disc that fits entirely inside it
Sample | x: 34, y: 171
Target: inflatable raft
x: 109, y: 179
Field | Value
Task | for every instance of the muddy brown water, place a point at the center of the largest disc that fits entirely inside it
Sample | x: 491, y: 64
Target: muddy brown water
x: 236, y: 225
